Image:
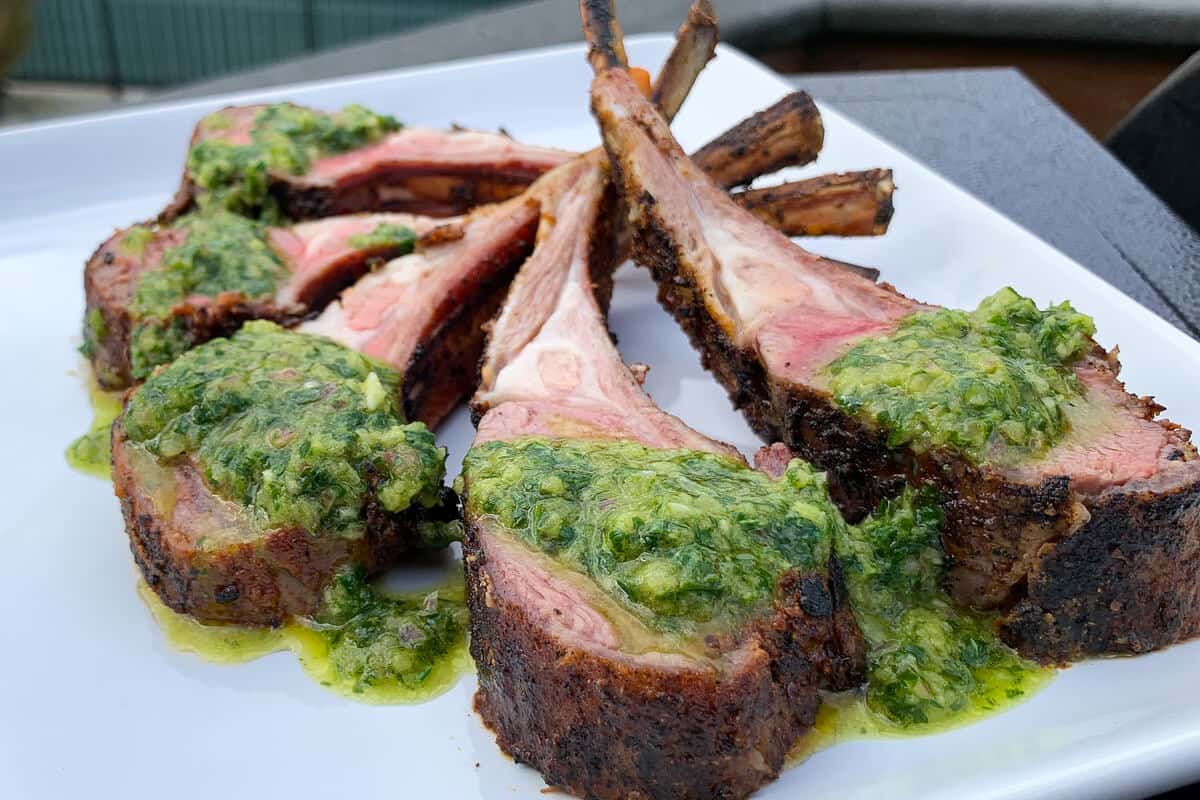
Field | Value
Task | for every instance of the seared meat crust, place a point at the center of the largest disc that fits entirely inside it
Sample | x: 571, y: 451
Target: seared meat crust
x: 1073, y: 575
x: 606, y: 728
x: 261, y: 581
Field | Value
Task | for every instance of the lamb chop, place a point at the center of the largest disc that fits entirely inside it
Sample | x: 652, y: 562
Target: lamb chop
x: 253, y: 469
x: 424, y: 313
x: 1070, y: 507
x: 302, y: 163
x: 154, y: 291
x: 189, y: 459
x: 650, y: 617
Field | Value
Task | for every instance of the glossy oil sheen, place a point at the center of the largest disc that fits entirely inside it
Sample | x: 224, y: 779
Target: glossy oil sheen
x: 91, y: 452
x: 316, y: 650
x: 846, y: 717
x: 992, y: 383
x: 681, y: 539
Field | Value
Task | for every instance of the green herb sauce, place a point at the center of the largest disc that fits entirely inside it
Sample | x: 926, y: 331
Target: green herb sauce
x: 388, y: 235
x: 374, y: 639
x: 92, y: 452
x: 930, y: 663
x: 368, y: 644
x: 683, y: 539
x: 136, y: 239
x: 94, y: 331
x: 284, y: 139
x: 992, y: 384
x: 222, y: 252
x: 297, y: 428
x: 679, y: 538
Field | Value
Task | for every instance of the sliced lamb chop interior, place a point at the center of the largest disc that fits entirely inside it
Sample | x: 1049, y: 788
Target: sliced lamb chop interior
x: 650, y: 617
x: 1069, y: 505
x: 153, y: 291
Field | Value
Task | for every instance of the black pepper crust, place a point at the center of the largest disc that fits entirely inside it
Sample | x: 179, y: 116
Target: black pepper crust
x: 606, y: 728
x: 277, y: 575
x: 441, y: 193
x: 1073, y: 575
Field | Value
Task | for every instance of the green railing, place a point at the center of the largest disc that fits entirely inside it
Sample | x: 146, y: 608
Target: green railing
x: 157, y: 42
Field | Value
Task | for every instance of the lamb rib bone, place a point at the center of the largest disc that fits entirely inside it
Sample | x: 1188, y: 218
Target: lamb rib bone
x: 392, y: 314
x: 550, y: 653
x: 846, y: 204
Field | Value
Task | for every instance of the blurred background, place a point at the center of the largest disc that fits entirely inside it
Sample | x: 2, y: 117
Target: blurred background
x: 1107, y: 63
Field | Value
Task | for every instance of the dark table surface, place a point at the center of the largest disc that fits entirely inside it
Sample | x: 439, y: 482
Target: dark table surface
x: 993, y: 133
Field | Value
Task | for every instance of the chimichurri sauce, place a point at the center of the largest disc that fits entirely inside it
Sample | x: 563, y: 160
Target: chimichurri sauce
x: 296, y: 428
x: 284, y: 139
x: 222, y: 253
x: 92, y: 452
x: 930, y: 663
x: 368, y: 644
x: 386, y: 234
x: 992, y: 384
x: 682, y: 538
x: 679, y: 538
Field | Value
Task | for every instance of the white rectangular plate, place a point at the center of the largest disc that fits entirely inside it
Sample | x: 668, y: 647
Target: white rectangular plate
x: 95, y: 702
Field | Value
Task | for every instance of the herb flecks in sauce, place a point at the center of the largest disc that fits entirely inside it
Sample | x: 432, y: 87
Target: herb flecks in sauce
x: 386, y: 234
x: 930, y: 663
x: 284, y: 139
x: 222, y: 253
x: 677, y: 537
x: 298, y: 429
x: 375, y: 640
x: 682, y: 539
x: 92, y: 452
x: 136, y: 239
x: 992, y: 383
x: 371, y: 645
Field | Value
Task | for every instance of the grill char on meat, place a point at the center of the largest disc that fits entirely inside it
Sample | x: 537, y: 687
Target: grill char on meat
x: 260, y: 580
x: 425, y: 324
x: 1093, y: 550
x: 554, y: 684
